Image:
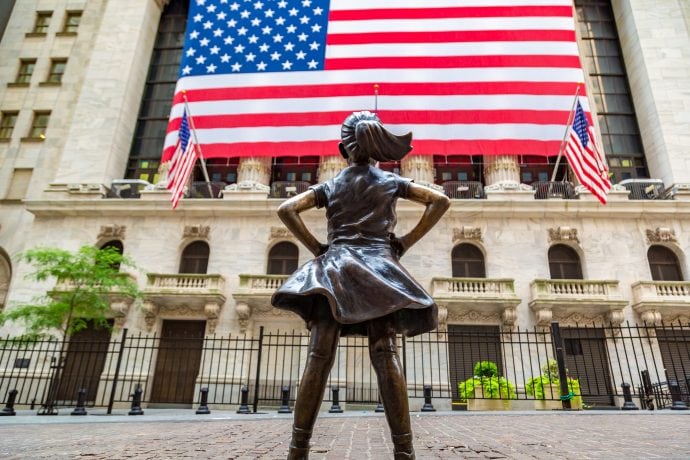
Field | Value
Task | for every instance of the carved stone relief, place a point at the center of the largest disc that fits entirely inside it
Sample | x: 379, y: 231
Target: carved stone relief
x: 467, y: 233
x: 196, y: 231
x: 280, y: 233
x: 661, y: 235
x: 112, y: 231
x: 561, y: 234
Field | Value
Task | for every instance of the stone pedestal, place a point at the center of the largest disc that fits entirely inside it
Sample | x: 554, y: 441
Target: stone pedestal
x: 330, y: 166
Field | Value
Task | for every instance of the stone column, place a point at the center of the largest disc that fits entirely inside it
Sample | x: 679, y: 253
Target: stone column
x: 330, y: 166
x: 501, y: 169
x: 255, y: 169
x: 420, y: 168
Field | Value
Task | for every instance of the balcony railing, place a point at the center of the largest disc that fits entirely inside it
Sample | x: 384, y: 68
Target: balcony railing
x: 261, y: 284
x: 184, y: 283
x: 645, y: 189
x: 127, y: 188
x: 483, y: 297
x: 287, y: 189
x: 553, y: 190
x: 661, y: 300
x: 463, y: 190
x: 203, y: 189
x: 588, y: 297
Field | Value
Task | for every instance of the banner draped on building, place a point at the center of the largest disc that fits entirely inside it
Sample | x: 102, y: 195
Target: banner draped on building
x: 467, y: 77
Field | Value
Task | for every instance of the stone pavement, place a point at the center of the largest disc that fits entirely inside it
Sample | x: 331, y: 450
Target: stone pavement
x: 173, y: 434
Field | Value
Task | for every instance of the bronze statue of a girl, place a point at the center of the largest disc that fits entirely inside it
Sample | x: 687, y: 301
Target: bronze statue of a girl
x: 356, y: 285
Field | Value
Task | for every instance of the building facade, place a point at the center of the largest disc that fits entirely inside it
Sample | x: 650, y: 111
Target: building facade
x: 85, y: 91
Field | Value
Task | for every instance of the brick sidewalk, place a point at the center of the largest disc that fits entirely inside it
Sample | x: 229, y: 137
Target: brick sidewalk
x: 576, y: 435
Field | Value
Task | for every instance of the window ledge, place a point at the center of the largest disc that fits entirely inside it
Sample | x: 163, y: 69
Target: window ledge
x: 32, y: 139
x: 50, y: 83
x: 66, y: 34
x: 35, y: 34
x: 15, y: 84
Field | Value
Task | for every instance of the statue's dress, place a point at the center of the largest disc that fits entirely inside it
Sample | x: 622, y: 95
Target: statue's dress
x: 359, y: 276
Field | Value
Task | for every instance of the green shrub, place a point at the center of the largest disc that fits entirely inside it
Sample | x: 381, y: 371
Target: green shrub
x: 486, y: 377
x: 535, y: 386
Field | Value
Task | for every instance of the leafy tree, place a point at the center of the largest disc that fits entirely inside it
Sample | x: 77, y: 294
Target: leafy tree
x: 86, y: 281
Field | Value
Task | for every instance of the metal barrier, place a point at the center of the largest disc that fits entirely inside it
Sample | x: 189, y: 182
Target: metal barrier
x: 202, y: 189
x: 286, y: 189
x: 553, y: 190
x: 464, y: 190
x: 597, y: 361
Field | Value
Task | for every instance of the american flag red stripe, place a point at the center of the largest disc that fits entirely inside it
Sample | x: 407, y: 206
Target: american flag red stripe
x: 467, y: 77
x: 585, y: 159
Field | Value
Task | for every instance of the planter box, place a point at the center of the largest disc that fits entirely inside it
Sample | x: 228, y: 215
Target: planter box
x: 478, y: 403
x: 552, y: 392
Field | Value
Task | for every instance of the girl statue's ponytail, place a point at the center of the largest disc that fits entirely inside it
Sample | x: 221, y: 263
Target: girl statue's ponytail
x: 363, y: 137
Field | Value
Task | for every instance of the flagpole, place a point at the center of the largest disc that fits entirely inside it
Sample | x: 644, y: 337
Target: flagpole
x: 196, y: 141
x: 376, y: 97
x: 567, y: 130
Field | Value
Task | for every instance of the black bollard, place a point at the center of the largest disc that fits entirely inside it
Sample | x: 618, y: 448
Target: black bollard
x: 203, y: 406
x: 427, y: 407
x: 379, y: 406
x: 678, y: 403
x: 244, y: 407
x: 136, y: 402
x: 285, y: 401
x: 627, y: 397
x: 81, y: 399
x: 648, y: 390
x: 9, y: 406
x: 335, y: 407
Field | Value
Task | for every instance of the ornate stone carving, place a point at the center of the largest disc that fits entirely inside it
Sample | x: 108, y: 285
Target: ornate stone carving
x: 212, y: 310
x: 651, y: 317
x: 509, y: 317
x: 543, y: 316
x: 119, y: 322
x: 420, y: 168
x: 501, y: 169
x: 247, y: 186
x: 661, y: 235
x: 467, y: 233
x: 472, y: 316
x: 254, y: 169
x: 112, y: 231
x: 680, y: 319
x: 615, y: 317
x: 442, y: 319
x: 196, y: 231
x: 562, y: 234
x: 577, y: 318
x: 508, y: 186
x: 150, y: 313
x: 243, y: 313
x: 278, y: 233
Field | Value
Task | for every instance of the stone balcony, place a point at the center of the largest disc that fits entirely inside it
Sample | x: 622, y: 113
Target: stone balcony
x: 253, y: 297
x: 475, y: 299
x: 657, y: 301
x: 577, y: 301
x: 120, y: 301
x: 185, y: 295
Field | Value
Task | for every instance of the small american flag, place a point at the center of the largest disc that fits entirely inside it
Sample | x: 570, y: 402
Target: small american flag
x: 182, y: 162
x: 584, y: 157
x: 472, y: 77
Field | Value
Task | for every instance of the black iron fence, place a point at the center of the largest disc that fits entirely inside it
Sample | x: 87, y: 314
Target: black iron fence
x: 587, y: 366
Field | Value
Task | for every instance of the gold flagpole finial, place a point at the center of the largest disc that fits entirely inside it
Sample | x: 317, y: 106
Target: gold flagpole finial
x: 376, y: 97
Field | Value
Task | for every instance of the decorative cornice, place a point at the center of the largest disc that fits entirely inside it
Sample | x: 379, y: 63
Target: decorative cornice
x: 661, y: 235
x: 563, y: 234
x: 467, y: 233
x: 197, y: 231
x: 112, y: 231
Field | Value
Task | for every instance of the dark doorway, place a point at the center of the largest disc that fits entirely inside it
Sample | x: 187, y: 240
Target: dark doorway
x: 177, y: 365
x: 587, y: 361
x: 467, y: 345
x: 84, y: 362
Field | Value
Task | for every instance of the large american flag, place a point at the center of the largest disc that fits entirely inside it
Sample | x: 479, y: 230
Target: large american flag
x: 585, y: 157
x: 474, y: 77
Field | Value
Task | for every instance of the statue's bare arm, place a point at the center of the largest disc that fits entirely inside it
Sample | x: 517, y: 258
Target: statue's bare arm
x: 289, y: 213
x: 436, y: 205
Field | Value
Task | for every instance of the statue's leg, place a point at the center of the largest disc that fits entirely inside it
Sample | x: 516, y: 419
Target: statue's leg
x: 389, y: 372
x: 323, y: 344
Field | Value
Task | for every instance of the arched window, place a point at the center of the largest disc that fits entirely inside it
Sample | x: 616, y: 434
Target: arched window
x: 282, y: 259
x: 5, y: 276
x: 116, y: 245
x: 664, y: 264
x: 468, y: 261
x: 195, y: 258
x: 564, y: 263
